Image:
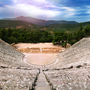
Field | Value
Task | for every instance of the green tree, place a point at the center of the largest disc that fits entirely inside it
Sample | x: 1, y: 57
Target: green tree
x: 87, y: 30
x: 9, y: 32
x: 12, y: 39
x: 58, y: 36
x: 80, y: 34
x: 70, y: 37
x: 81, y: 28
x: 3, y: 34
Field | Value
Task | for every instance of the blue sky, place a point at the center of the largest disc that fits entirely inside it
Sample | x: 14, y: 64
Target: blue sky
x: 71, y: 10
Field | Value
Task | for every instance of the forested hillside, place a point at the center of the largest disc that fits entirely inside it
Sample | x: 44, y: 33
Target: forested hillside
x: 35, y: 36
x: 41, y: 21
x: 14, y: 24
x: 17, y: 24
x: 66, y: 27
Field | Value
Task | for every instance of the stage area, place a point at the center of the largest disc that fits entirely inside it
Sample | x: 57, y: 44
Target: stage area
x: 40, y: 58
x: 40, y: 53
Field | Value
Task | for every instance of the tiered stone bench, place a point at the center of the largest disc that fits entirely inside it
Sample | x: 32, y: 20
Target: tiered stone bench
x: 70, y: 72
x: 9, y: 55
x: 75, y: 79
x: 17, y: 79
x: 78, y: 54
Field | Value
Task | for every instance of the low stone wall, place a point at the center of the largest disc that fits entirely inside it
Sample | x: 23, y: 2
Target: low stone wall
x: 9, y: 53
x: 29, y: 50
x: 40, y: 50
x: 51, y: 50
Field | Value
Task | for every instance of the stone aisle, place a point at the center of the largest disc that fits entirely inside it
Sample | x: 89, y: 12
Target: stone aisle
x: 42, y: 83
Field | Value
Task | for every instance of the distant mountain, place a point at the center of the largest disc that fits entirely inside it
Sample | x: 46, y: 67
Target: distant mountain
x: 66, y: 27
x: 40, y: 21
x: 16, y: 24
x: 56, y: 26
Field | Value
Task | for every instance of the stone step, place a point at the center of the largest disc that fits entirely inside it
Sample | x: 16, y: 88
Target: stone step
x: 42, y: 83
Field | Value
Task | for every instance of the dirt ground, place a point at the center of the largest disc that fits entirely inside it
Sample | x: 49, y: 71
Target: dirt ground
x: 39, y: 58
x: 37, y: 45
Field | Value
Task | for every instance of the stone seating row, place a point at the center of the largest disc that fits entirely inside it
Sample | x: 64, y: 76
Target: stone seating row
x: 9, y: 55
x: 79, y: 52
x: 17, y: 79
x: 69, y: 79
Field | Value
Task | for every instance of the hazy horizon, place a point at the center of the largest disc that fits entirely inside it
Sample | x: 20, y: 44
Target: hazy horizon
x: 77, y: 10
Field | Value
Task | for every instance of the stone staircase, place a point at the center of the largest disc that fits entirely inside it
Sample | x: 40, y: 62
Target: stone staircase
x: 42, y: 83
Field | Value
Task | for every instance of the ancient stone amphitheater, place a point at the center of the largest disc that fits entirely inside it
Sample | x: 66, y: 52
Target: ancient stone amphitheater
x: 70, y: 71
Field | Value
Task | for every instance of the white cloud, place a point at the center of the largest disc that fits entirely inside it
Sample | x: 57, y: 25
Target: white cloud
x: 19, y: 9
x: 68, y: 8
x: 88, y: 9
x: 34, y: 11
x: 29, y: 1
x: 67, y: 12
x: 42, y: 1
x: 37, y: 9
x: 28, y: 10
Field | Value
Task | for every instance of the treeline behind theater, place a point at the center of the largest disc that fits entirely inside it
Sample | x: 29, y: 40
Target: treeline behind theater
x: 37, y: 36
